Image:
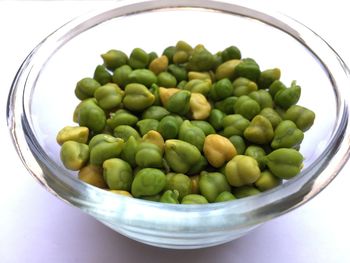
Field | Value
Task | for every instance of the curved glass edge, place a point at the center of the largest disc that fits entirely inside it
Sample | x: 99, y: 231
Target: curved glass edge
x: 250, y: 211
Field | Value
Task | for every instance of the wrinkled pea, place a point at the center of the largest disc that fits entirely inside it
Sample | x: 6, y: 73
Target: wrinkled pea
x: 199, y: 75
x: 169, y: 53
x: 117, y: 174
x: 74, y: 155
x: 148, y: 182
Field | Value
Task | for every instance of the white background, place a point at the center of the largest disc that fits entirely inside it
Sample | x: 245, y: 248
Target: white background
x: 37, y: 227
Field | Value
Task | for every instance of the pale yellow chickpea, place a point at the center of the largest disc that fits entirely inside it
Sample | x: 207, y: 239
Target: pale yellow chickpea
x: 199, y: 106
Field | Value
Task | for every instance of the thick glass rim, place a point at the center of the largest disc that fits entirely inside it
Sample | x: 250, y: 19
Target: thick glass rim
x: 172, y: 218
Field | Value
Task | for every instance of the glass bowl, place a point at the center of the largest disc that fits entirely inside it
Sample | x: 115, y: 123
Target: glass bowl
x: 41, y: 102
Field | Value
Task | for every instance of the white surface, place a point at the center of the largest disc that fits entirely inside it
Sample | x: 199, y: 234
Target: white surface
x: 37, y: 227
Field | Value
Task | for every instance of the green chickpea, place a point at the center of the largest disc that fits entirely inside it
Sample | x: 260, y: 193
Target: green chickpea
x: 121, y: 117
x: 192, y: 134
x: 169, y: 53
x: 170, y: 197
x: 272, y: 116
x: 102, y: 75
x: 234, y: 124
x: 74, y: 155
x: 267, y: 181
x: 125, y: 131
x: 201, y: 59
x: 179, y: 103
x: 180, y: 73
x: 155, y: 112
x: 103, y: 147
x: 205, y: 126
x: 129, y: 151
x: 148, y: 155
x: 212, y: 184
x: 109, y: 96
x: 179, y: 182
x: 258, y: 153
x: 198, y: 86
x: 114, y: 59
x: 243, y: 86
x: 247, y: 107
x: 166, y: 79
x: 259, y: 130
x: 138, y: 58
x: 148, y: 182
x: 221, y: 89
x: 301, y: 116
x: 225, y: 196
x: 159, y: 64
x: 216, y: 118
x: 248, y: 69
x: 142, y: 76
x: 180, y: 155
x: 239, y: 143
x: 227, y: 105
x: 137, y: 97
x: 76, y: 133
x: 169, y: 127
x: 268, y: 76
x: 245, y: 191
x: 121, y: 75
x: 231, y: 52
x: 263, y: 98
x: 287, y: 135
x: 194, y: 199
x: 147, y: 125
x: 199, y: 166
x: 85, y: 88
x: 117, y: 174
x: 242, y: 170
x: 285, y: 98
x: 226, y: 69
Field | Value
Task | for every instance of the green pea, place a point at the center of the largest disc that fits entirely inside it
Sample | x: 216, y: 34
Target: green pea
x: 167, y: 80
x: 148, y: 182
x: 109, y: 96
x: 267, y: 77
x: 287, y: 135
x: 129, y: 151
x: 263, y: 98
x: 245, y: 191
x: 221, y: 89
x: 179, y: 103
x: 138, y: 58
x: 301, y: 116
x: 239, y: 143
x: 198, y: 86
x: 102, y: 75
x: 117, y: 174
x: 226, y: 105
x: 258, y: 153
x: 125, y: 131
x: 74, y: 155
x: 259, y: 131
x: 234, y: 124
x: 121, y: 117
x: 148, y: 155
x: 155, y: 112
x: 147, y: 125
x: 121, y: 75
x: 137, y: 97
x: 284, y: 163
x: 89, y: 114
x: 73, y: 133
x: 267, y: 181
x: 226, y: 69
x: 243, y: 86
x: 142, y: 76
x: 285, y: 98
x: 103, y: 147
x: 201, y: 59
x: 212, y: 184
x: 247, y: 107
x: 180, y: 73
x: 194, y: 199
x: 180, y: 155
x: 169, y: 52
x: 114, y: 59
x: 179, y: 182
x: 216, y: 118
x: 242, y: 170
x: 272, y: 115
x: 169, y: 127
x: 205, y: 126
x: 231, y: 52
x: 192, y: 134
x: 248, y: 69
x: 225, y: 196
x: 85, y: 88
x: 170, y: 197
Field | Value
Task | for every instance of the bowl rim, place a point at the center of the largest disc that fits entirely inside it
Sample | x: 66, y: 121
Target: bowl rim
x: 246, y: 212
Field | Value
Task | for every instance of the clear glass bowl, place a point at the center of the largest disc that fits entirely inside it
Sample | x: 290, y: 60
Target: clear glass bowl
x: 41, y: 102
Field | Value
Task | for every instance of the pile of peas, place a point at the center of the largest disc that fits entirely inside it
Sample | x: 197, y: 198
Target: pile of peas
x: 186, y: 127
